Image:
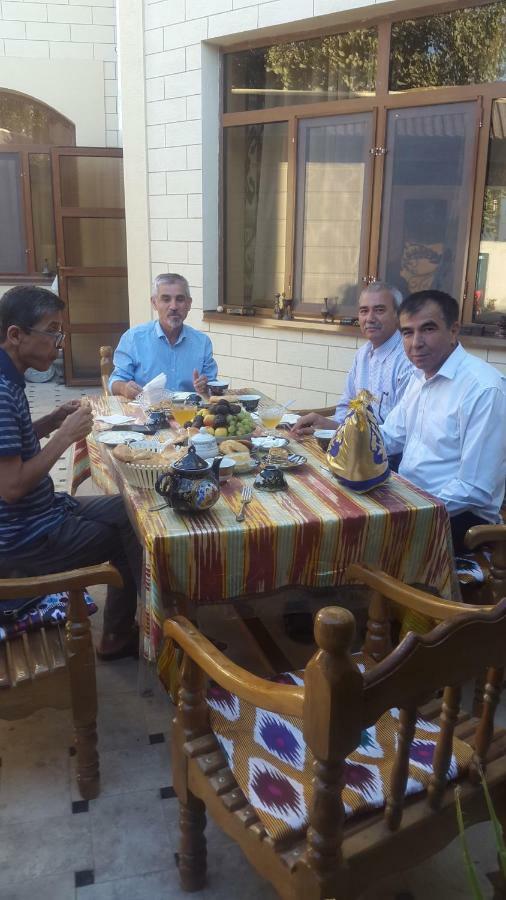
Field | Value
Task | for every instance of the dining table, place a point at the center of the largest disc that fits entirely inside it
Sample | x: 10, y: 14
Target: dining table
x: 305, y: 536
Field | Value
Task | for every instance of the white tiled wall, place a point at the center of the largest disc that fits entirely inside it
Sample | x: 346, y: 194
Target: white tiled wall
x: 289, y: 363
x: 65, y: 29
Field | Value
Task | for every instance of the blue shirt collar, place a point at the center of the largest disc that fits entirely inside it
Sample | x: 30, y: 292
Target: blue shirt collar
x: 8, y: 369
x: 161, y: 334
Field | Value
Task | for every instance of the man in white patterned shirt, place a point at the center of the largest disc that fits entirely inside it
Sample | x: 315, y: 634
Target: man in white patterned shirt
x: 381, y: 365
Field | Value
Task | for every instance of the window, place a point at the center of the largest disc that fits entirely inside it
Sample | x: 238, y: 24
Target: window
x: 29, y: 129
x: 351, y: 156
x: 490, y: 286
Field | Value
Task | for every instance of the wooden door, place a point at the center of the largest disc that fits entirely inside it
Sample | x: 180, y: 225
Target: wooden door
x: 91, y: 254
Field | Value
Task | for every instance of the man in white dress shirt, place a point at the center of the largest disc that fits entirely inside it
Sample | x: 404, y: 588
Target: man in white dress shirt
x: 450, y: 425
x: 380, y: 365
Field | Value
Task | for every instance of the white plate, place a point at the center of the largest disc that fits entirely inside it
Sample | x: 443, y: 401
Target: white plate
x: 119, y: 437
x: 267, y: 442
x: 183, y: 395
x: 115, y: 419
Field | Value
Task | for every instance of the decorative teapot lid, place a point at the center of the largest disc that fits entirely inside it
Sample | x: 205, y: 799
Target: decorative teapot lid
x: 192, y: 462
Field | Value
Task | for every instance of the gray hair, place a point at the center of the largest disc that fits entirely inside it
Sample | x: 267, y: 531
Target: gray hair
x: 171, y: 278
x: 376, y: 287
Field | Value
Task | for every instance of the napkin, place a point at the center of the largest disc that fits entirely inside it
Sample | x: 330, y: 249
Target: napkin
x: 115, y: 419
x: 289, y: 419
x: 153, y: 391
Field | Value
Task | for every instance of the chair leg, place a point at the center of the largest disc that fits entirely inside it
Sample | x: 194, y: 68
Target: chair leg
x: 83, y: 692
x: 193, y: 845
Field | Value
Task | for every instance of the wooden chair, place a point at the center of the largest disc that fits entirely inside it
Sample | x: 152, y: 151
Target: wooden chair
x: 491, y: 538
x: 106, y: 367
x: 48, y: 668
x: 336, y: 857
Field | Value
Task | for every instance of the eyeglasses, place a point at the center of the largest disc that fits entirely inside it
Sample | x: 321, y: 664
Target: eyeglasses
x: 58, y: 336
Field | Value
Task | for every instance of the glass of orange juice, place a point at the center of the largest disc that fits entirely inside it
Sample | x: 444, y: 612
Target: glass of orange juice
x: 271, y: 416
x: 183, y: 412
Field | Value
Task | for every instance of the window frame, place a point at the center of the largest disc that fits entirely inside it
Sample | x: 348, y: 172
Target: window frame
x: 379, y: 104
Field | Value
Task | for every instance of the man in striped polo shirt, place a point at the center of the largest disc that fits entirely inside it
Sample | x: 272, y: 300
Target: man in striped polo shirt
x: 42, y: 531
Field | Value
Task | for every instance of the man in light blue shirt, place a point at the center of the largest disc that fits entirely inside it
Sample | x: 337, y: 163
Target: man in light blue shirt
x: 380, y: 366
x: 166, y: 345
x: 450, y: 424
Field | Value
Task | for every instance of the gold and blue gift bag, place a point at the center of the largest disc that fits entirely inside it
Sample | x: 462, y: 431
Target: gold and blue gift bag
x: 356, y: 454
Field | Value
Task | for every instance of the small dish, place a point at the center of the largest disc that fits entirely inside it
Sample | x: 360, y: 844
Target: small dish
x: 268, y: 441
x: 324, y: 437
x: 249, y: 401
x: 119, y: 437
x: 218, y: 387
x: 292, y: 462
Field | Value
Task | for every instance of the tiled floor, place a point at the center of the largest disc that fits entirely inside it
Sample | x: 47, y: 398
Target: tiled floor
x: 121, y: 846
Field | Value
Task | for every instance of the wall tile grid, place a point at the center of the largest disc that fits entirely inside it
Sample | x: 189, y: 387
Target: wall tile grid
x: 66, y: 29
x: 306, y: 366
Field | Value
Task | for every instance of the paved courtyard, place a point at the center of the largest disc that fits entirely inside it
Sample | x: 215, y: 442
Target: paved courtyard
x: 121, y: 846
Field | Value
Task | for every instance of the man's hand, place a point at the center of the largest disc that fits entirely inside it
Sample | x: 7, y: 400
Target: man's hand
x: 77, y: 425
x: 307, y: 424
x: 199, y: 382
x: 128, y: 389
x: 66, y: 409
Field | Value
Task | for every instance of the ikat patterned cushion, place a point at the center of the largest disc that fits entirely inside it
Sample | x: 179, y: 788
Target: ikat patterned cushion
x: 273, y: 766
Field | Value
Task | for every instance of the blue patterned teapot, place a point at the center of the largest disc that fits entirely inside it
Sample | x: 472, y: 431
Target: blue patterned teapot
x: 191, y: 484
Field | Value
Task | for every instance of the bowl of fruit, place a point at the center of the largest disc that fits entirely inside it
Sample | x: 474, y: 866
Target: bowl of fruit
x: 225, y: 420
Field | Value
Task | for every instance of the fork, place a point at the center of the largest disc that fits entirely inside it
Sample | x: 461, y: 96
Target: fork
x: 246, y: 497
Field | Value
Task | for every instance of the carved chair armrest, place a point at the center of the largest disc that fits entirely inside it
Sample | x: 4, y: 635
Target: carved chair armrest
x: 485, y: 534
x: 77, y: 579
x: 278, y: 698
x: 409, y: 597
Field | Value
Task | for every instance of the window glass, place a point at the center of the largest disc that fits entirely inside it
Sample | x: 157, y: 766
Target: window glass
x: 92, y: 181
x: 426, y: 197
x: 13, y: 257
x: 255, y: 212
x: 333, y: 182
x: 466, y: 46
x: 96, y: 299
x: 42, y: 212
x: 26, y: 121
x: 94, y: 242
x: 332, y: 67
x: 490, y: 289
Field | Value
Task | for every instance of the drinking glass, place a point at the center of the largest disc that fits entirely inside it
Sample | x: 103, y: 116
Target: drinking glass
x: 271, y: 416
x: 183, y: 412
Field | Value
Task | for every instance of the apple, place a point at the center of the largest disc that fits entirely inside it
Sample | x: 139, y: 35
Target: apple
x: 220, y: 432
x: 209, y: 420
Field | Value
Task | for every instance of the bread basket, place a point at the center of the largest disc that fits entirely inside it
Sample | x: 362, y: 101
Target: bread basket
x: 142, y: 475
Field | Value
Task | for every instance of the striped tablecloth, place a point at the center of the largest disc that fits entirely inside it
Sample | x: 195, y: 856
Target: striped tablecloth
x: 308, y: 536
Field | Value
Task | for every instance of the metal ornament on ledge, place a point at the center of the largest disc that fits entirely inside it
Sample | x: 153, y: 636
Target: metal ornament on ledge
x: 279, y: 306
x: 283, y: 307
x: 329, y: 310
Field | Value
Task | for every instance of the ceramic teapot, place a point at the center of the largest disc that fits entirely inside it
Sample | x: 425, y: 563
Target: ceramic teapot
x: 191, y: 484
